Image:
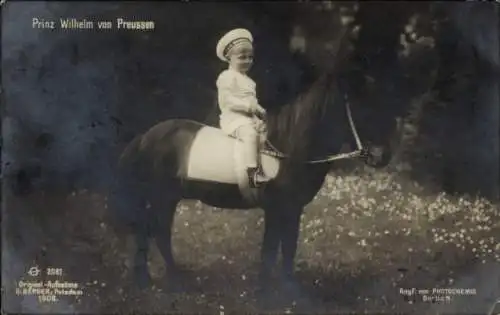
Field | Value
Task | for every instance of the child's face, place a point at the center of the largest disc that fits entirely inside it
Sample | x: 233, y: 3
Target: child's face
x: 241, y: 57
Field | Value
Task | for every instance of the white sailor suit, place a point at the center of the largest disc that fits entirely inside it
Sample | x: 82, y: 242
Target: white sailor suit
x: 236, y: 91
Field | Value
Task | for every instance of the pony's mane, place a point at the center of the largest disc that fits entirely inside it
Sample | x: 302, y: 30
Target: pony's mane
x: 292, y: 126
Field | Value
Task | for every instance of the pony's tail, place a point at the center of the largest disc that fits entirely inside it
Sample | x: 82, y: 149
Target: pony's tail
x: 127, y: 199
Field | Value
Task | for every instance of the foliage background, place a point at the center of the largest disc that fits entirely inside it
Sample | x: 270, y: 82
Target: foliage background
x: 73, y: 100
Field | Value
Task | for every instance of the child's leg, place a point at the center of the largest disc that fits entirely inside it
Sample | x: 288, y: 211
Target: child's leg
x: 250, y: 138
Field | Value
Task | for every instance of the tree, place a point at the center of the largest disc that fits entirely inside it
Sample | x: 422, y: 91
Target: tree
x: 469, y: 35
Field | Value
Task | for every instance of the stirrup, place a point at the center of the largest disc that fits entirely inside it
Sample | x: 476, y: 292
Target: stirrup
x: 254, y: 174
x: 251, y: 172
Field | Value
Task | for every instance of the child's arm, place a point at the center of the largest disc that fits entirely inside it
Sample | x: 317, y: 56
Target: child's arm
x: 229, y: 101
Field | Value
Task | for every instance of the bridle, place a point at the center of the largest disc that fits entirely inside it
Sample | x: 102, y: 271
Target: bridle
x: 360, y: 150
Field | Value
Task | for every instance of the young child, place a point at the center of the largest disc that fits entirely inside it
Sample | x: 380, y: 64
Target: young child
x: 240, y: 110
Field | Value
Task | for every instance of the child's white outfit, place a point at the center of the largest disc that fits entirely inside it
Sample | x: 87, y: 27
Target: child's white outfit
x: 237, y: 89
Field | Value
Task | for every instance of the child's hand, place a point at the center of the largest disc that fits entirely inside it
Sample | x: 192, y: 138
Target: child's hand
x: 260, y: 126
x: 260, y: 111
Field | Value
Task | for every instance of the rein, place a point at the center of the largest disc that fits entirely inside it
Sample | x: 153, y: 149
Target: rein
x: 329, y: 158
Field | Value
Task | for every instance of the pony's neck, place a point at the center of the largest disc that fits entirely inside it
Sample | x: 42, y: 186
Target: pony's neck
x: 298, y: 129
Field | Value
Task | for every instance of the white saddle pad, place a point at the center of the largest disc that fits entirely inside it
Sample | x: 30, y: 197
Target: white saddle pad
x: 216, y: 157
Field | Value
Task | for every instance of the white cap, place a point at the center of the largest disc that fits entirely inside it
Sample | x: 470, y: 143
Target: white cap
x: 230, y: 39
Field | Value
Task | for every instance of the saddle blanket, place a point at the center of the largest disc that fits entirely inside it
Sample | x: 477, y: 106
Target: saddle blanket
x: 217, y: 157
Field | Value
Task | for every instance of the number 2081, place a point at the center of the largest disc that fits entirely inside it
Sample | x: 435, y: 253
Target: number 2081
x: 54, y: 271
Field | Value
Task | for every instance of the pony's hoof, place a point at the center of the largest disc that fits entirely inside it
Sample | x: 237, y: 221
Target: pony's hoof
x: 177, y: 270
x: 292, y: 288
x: 142, y: 280
x: 263, y: 291
x: 178, y: 279
x: 264, y: 279
x: 175, y: 285
x: 294, y: 292
x: 264, y: 297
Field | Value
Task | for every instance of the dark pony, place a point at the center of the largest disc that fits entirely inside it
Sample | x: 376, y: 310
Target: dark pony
x: 149, y: 180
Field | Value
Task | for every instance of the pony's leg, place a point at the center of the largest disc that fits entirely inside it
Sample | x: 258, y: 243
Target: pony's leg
x: 163, y: 235
x: 141, y: 272
x: 270, y: 244
x: 289, y: 239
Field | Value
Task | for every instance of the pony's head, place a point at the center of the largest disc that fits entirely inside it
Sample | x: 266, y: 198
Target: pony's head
x: 378, y: 110
x: 323, y: 119
x: 379, y: 129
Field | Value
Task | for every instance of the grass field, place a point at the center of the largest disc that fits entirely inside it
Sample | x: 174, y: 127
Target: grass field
x: 366, y: 235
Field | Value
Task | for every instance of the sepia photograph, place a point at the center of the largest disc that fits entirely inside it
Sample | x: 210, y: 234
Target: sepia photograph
x: 243, y: 157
